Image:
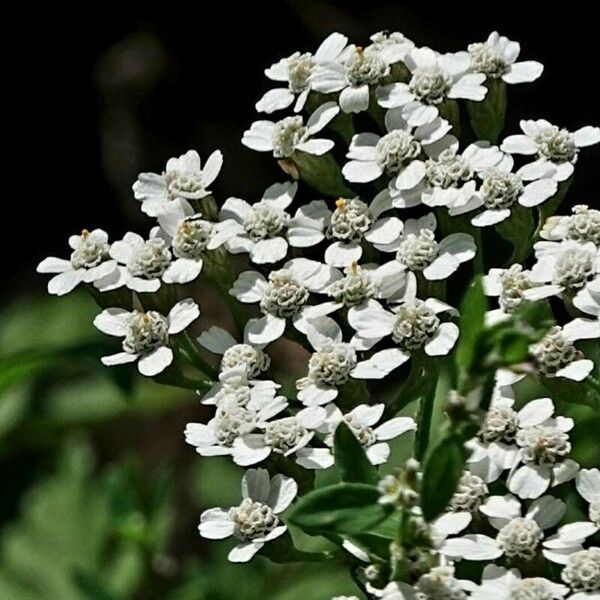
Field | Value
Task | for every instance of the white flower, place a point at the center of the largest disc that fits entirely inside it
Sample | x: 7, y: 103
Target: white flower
x: 361, y: 421
x: 182, y: 178
x: 470, y: 493
x: 588, y: 486
x: 501, y: 190
x: 413, y: 325
x: 392, y: 46
x: 296, y: 71
x: 551, y: 145
x: 397, y: 153
x: 146, y: 334
x: 285, y: 436
x: 142, y: 264
x: 89, y: 262
x: 508, y: 286
x: 582, y: 574
x: 439, y: 583
x: 556, y: 355
x: 291, y: 135
x: 255, y: 521
x: 230, y: 423
x: 496, y: 57
x: 284, y: 295
x: 190, y: 236
x: 353, y: 221
x: 502, y: 584
x: 449, y: 176
x: 587, y: 300
x: 265, y: 229
x: 417, y: 249
x: 352, y: 75
x: 250, y: 357
x: 563, y: 266
x: 434, y: 78
x: 583, y: 225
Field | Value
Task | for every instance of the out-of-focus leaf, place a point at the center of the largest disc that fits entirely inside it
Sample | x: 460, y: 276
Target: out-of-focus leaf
x: 517, y: 229
x: 91, y: 587
x: 487, y: 116
x: 350, y: 458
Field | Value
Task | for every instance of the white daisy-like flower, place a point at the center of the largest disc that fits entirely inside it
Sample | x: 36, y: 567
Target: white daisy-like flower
x: 352, y: 75
x: 582, y: 574
x: 556, y: 355
x: 566, y: 266
x: 508, y: 286
x: 496, y: 59
x: 190, y: 236
x: 550, y: 144
x: 255, y: 521
x: 501, y: 190
x: 183, y: 177
x: 284, y: 295
x: 434, y: 78
x: 500, y: 583
x: 264, y: 229
x: 285, y: 436
x: 582, y: 225
x: 89, y: 262
x: 544, y: 447
x: 142, y: 264
x: 146, y: 334
x: 413, y: 325
x: 230, y: 423
x: 449, y: 178
x: 417, y: 249
x: 362, y: 422
x: 354, y: 222
x: 295, y: 72
x: 440, y: 582
x: 393, y: 46
x: 588, y: 486
x: 291, y: 135
x: 398, y: 153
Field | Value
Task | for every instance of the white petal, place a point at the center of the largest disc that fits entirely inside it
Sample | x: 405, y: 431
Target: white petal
x: 451, y: 523
x: 546, y: 511
x: 471, y: 547
x: 273, y: 100
x: 265, y: 329
x: 518, y: 144
x: 215, y: 524
x: 155, y: 362
x: 137, y: 284
x: 314, y: 395
x: 363, y: 147
x: 54, y: 265
x: 182, y: 270
x: 269, y: 251
x: 443, y: 340
x: 367, y: 415
x: 588, y: 484
x: 331, y: 47
x: 322, y: 117
x: 362, y: 171
x: 384, y: 231
x: 578, y: 370
x: 372, y: 320
x: 322, y: 331
x: 282, y: 493
x: 490, y: 217
x: 249, y: 287
x: 182, y: 314
x: 536, y: 412
x: 537, y: 192
x: 216, y: 339
x: 380, y: 364
x: 113, y: 321
x: 378, y: 453
x: 249, y: 449
x: 530, y: 481
x: 581, y: 329
x: 354, y: 99
x: 256, y: 485
x: 318, y: 147
x: 410, y: 176
x: 314, y: 458
x: 260, y: 136
x: 523, y: 72
x: 586, y: 136
x: 119, y: 359
x: 395, y: 427
x: 469, y: 87
x: 65, y: 282
x: 460, y: 245
x: 340, y: 254
x: 244, y: 551
x: 394, y: 95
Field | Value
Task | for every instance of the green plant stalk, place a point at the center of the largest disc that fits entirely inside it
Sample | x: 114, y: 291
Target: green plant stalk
x: 193, y: 355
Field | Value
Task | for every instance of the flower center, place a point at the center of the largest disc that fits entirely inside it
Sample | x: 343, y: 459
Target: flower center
x: 349, y: 221
x: 365, y: 67
x: 192, y: 237
x: 233, y: 421
x: 584, y: 225
x: 356, y: 287
x: 595, y: 511
x: 284, y: 435
x: 574, y: 268
x: 299, y: 72
x: 534, y: 588
x: 284, y: 295
x: 520, y: 538
x: 182, y: 184
x: 582, y: 572
x: 557, y: 145
x: 418, y: 250
x: 415, y: 325
x: 244, y: 355
x: 332, y: 365
x: 252, y: 520
x: 543, y: 444
x: 500, y: 425
x: 514, y: 282
x: 395, y: 149
x: 90, y: 252
x: 363, y: 433
x: 287, y: 134
x: 470, y: 492
x: 500, y: 189
x: 448, y: 171
x: 150, y: 259
x: 554, y: 352
x: 485, y: 59
x: 430, y: 84
x: 145, y: 332
x: 265, y: 221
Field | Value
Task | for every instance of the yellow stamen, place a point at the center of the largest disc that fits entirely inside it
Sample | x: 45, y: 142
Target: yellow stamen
x: 84, y: 233
x: 340, y: 204
x: 354, y: 267
x: 359, y: 49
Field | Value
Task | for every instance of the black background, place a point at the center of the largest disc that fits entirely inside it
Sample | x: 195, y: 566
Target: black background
x: 98, y: 93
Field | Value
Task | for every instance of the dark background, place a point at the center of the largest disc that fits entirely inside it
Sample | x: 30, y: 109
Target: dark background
x: 100, y: 93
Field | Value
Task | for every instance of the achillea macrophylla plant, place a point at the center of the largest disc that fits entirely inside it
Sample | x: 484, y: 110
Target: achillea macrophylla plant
x: 423, y: 268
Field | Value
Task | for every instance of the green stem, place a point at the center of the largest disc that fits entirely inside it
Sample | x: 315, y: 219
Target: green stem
x: 193, y: 355
x: 478, y: 260
x: 423, y: 418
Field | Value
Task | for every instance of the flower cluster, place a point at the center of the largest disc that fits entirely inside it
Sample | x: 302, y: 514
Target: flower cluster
x: 358, y: 257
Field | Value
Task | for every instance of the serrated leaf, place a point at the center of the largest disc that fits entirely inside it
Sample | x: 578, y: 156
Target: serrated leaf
x: 345, y: 508
x: 351, y: 460
x: 441, y: 472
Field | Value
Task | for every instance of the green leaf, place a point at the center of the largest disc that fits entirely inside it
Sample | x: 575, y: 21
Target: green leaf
x: 350, y: 458
x: 321, y: 173
x: 91, y: 587
x: 344, y: 508
x: 487, y: 116
x: 517, y: 229
x: 441, y: 472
